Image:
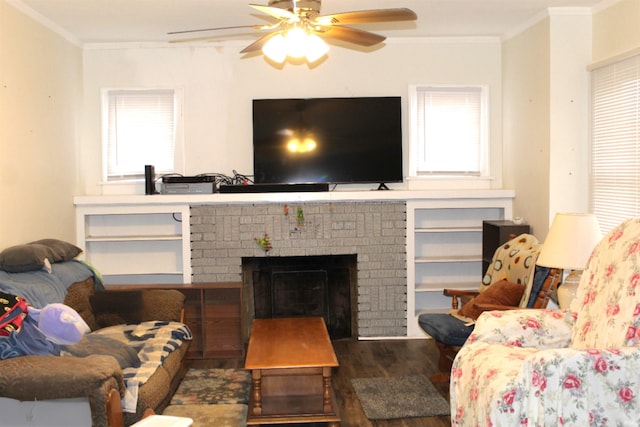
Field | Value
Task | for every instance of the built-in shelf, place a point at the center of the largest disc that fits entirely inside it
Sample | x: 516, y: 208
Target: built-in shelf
x: 447, y: 229
x: 116, y: 239
x: 448, y: 258
x: 444, y: 250
x: 137, y: 243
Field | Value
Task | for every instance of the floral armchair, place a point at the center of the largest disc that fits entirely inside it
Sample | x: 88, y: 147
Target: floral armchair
x: 576, y: 367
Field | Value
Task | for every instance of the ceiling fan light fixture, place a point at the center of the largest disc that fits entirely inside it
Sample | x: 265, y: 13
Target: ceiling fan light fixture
x: 316, y: 48
x: 298, y: 29
x: 276, y: 49
x: 296, y: 40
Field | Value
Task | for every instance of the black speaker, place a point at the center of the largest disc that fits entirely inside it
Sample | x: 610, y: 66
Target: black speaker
x: 149, y: 180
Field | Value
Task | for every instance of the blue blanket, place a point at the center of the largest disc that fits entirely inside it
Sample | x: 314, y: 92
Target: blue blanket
x: 40, y: 287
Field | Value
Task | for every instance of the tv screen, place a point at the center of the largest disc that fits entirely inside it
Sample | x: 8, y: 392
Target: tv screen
x: 327, y: 140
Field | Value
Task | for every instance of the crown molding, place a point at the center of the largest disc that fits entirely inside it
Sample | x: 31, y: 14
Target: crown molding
x: 44, y: 21
x: 549, y: 12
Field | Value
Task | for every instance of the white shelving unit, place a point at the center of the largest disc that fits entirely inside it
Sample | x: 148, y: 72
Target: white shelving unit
x: 146, y: 239
x: 136, y: 243
x: 444, y: 250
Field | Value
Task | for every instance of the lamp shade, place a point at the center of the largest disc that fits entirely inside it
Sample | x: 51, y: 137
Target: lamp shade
x: 570, y: 241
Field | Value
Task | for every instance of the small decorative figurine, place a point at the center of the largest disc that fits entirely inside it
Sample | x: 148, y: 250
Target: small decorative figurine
x: 264, y: 242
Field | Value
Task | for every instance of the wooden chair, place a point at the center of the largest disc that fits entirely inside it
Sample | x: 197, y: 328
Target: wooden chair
x: 515, y: 262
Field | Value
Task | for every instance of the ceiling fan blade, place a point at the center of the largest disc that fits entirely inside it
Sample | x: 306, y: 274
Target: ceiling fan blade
x: 351, y: 35
x: 258, y: 44
x: 276, y: 12
x: 255, y: 27
x: 368, y: 16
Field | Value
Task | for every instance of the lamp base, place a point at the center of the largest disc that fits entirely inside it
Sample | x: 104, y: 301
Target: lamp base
x: 567, y: 290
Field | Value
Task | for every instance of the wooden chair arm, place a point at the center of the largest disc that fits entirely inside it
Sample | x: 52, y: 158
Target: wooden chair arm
x: 459, y: 293
x: 458, y: 296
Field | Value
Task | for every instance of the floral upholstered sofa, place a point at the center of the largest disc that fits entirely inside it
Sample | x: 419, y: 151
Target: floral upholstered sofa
x: 137, y: 346
x: 576, y: 367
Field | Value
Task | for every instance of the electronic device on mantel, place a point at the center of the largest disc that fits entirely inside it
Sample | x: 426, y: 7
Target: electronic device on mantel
x: 188, y: 185
x: 274, y: 188
x: 354, y: 140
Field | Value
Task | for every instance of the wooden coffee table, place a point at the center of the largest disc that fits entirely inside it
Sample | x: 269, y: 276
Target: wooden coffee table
x: 291, y: 361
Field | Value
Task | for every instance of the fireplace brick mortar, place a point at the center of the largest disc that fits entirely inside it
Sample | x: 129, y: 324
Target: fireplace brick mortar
x: 375, y: 231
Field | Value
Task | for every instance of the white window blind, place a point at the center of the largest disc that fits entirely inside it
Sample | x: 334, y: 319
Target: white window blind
x: 140, y: 130
x: 615, y: 150
x: 449, y: 130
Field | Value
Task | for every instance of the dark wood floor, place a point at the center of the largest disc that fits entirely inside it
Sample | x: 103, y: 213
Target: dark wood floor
x: 362, y: 359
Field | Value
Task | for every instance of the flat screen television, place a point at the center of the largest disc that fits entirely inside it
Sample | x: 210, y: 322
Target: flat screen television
x: 327, y: 140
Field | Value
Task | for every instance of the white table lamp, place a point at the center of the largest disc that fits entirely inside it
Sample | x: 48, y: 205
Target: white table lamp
x: 568, y: 246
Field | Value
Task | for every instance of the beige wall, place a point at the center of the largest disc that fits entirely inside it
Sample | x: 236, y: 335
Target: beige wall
x: 570, y: 49
x: 219, y: 85
x: 40, y: 84
x: 546, y: 118
x: 527, y: 123
x: 616, y: 30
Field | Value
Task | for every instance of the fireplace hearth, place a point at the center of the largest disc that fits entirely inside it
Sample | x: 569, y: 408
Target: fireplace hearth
x: 303, y: 286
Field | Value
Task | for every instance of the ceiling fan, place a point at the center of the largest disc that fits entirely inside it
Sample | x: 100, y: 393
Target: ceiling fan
x: 299, y: 27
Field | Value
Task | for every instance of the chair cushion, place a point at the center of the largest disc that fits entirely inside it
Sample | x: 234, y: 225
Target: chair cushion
x: 515, y: 261
x: 503, y: 292
x: 445, y: 328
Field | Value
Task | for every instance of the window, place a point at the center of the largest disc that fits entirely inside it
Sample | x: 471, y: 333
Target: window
x: 615, y: 142
x: 140, y: 128
x: 448, y: 131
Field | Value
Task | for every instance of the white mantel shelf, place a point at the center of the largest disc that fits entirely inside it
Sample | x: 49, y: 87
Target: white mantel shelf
x: 323, y: 196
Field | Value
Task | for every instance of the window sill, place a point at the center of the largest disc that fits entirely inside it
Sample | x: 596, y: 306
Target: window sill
x: 124, y: 187
x: 449, y: 182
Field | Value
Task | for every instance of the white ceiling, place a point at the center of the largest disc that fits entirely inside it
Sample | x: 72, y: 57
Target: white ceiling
x: 109, y: 21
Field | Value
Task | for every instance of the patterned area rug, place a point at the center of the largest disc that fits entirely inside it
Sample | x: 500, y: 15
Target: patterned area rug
x: 211, y: 415
x: 399, y: 397
x: 212, y: 397
x: 213, y: 386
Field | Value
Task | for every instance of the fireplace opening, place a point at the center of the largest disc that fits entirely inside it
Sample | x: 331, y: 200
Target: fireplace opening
x: 302, y: 286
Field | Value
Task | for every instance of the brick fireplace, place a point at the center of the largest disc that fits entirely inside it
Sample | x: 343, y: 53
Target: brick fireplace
x: 375, y: 232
